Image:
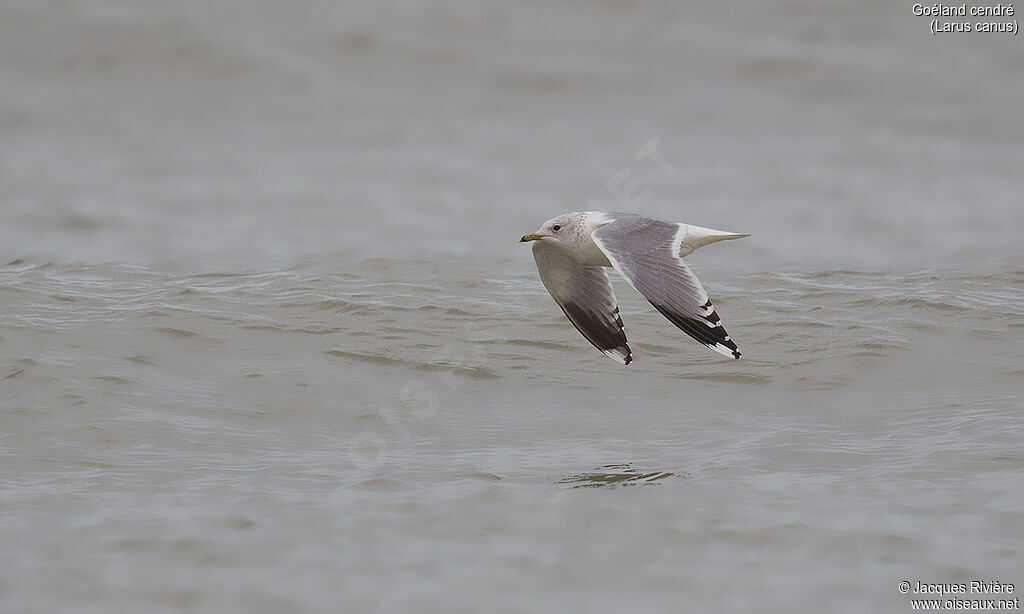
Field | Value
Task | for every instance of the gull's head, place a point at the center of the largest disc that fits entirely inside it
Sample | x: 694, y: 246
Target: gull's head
x: 556, y: 229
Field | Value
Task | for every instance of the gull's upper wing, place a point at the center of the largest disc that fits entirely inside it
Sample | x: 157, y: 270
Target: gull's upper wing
x: 585, y: 295
x: 646, y: 253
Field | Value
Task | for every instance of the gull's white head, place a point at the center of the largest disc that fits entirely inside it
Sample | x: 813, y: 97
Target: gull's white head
x: 570, y: 226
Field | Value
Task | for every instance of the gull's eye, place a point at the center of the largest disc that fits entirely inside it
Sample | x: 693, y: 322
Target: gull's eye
x: 556, y: 228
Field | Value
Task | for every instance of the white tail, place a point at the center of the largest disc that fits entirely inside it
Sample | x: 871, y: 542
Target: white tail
x: 696, y: 236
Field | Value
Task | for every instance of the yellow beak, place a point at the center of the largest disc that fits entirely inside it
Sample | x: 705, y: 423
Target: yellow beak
x: 531, y: 237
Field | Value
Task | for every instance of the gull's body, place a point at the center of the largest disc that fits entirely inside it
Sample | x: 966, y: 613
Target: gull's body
x: 573, y: 250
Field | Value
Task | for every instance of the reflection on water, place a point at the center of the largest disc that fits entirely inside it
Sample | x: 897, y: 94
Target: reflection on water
x: 622, y: 474
x: 268, y: 338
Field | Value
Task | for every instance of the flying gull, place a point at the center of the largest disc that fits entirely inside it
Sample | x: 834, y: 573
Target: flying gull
x: 572, y: 251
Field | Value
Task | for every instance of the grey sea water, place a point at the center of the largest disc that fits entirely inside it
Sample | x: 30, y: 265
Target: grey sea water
x: 268, y: 341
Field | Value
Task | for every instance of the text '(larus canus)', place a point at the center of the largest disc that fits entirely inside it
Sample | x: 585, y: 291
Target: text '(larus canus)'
x: 572, y: 251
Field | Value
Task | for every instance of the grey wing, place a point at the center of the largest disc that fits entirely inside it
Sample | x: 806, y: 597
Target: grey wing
x: 585, y: 295
x: 646, y: 253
